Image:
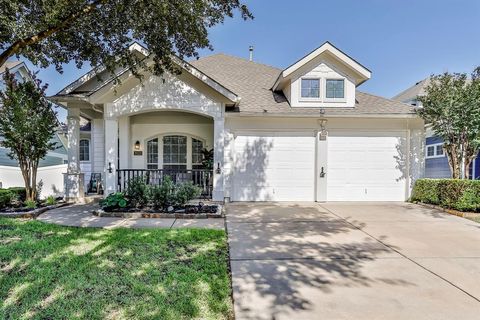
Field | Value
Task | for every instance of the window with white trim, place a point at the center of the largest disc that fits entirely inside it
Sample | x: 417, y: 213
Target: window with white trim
x: 197, y: 156
x: 84, y: 148
x: 152, y: 154
x: 175, y: 152
x: 434, y: 151
x: 335, y: 89
x: 310, y: 88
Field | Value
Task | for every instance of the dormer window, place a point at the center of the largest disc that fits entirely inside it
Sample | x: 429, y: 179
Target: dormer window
x: 310, y: 88
x: 335, y: 89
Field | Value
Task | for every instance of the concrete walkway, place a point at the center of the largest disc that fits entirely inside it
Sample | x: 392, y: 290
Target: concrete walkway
x: 81, y: 216
x: 352, y: 261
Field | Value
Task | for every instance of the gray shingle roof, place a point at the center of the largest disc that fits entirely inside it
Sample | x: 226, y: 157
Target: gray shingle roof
x: 418, y: 89
x: 253, y: 81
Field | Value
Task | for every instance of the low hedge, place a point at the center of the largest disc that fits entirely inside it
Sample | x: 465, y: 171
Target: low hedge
x: 19, y: 192
x: 5, y: 198
x: 11, y: 196
x: 462, y: 195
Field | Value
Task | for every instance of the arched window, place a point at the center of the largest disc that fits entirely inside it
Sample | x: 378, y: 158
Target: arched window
x: 174, y: 152
x: 84, y: 150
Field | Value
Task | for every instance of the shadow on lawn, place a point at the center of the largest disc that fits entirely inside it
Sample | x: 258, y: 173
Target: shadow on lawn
x: 57, y: 272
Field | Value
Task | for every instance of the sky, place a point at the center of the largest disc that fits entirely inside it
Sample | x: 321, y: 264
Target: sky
x: 400, y: 41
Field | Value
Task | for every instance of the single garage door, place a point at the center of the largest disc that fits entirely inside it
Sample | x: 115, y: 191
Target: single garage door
x: 274, y: 167
x: 366, y: 166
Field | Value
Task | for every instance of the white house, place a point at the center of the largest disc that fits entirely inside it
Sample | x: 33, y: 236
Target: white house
x: 299, y: 134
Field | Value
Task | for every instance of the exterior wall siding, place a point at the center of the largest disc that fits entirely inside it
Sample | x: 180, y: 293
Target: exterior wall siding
x: 437, y: 168
x: 51, y: 176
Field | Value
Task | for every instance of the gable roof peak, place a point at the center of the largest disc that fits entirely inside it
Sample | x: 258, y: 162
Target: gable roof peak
x: 362, y: 74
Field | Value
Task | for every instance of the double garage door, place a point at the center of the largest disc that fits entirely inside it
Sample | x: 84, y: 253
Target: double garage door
x: 361, y: 166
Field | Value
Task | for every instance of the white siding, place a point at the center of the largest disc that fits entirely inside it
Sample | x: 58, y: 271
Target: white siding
x: 52, y: 178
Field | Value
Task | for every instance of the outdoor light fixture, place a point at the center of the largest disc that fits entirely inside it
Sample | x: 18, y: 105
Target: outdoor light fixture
x: 110, y: 167
x: 323, y: 131
x: 218, y: 168
x: 137, y: 145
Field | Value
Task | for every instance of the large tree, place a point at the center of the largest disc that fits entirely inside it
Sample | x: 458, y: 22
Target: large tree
x: 27, y: 124
x: 54, y: 32
x: 451, y: 108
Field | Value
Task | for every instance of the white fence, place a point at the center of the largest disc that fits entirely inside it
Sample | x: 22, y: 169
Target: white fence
x: 52, y: 178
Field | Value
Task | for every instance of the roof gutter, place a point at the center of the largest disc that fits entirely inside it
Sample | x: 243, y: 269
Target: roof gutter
x: 299, y: 115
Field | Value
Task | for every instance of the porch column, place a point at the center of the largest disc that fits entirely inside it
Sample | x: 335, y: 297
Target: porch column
x: 125, y: 142
x: 73, y: 179
x: 218, y: 158
x: 111, y: 155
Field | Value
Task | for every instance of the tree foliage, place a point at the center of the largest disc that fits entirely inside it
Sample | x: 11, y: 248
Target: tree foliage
x: 451, y: 108
x: 54, y: 32
x: 27, y: 124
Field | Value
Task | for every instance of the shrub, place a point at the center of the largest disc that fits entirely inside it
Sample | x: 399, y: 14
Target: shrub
x: 30, y: 204
x: 6, y: 197
x: 50, y: 201
x: 168, y: 194
x: 426, y: 191
x: 185, y: 192
x: 162, y: 195
x: 19, y: 192
x: 114, y: 201
x: 462, y: 195
x: 136, y: 191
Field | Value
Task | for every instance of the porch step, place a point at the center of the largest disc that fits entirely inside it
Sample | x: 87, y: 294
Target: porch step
x: 92, y: 198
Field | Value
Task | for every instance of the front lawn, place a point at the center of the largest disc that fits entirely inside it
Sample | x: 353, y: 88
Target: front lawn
x: 54, y: 272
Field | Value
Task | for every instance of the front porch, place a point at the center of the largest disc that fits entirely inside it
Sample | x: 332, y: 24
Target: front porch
x: 184, y: 146
x: 202, y: 178
x: 166, y: 143
x: 156, y: 128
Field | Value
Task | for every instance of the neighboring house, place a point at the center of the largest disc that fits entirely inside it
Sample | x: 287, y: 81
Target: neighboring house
x: 50, y: 167
x: 303, y: 133
x: 436, y: 162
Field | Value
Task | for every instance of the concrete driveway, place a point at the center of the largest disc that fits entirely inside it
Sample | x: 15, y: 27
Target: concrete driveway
x: 352, y: 261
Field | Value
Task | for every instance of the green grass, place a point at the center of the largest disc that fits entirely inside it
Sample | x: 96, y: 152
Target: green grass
x: 54, y: 272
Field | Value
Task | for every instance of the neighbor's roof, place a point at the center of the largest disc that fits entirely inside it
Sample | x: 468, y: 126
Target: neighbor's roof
x: 9, y: 65
x: 417, y: 90
x: 253, y: 81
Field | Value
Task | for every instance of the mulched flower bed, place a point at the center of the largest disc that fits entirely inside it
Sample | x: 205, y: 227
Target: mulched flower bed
x: 24, y: 212
x: 190, y: 211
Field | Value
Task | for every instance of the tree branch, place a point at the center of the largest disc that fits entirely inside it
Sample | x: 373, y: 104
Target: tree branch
x: 22, y: 43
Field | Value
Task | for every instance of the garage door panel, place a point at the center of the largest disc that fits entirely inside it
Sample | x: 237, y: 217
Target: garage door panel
x: 280, y: 167
x: 365, y: 166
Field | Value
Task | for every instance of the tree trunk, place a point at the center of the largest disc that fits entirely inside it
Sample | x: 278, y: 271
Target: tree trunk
x: 453, y: 161
x: 34, y: 181
x: 26, y: 178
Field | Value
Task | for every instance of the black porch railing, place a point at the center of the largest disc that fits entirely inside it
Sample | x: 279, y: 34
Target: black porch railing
x: 199, y: 177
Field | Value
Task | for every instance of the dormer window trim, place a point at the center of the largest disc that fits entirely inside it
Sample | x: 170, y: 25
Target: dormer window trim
x: 327, y: 99
x: 320, y: 91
